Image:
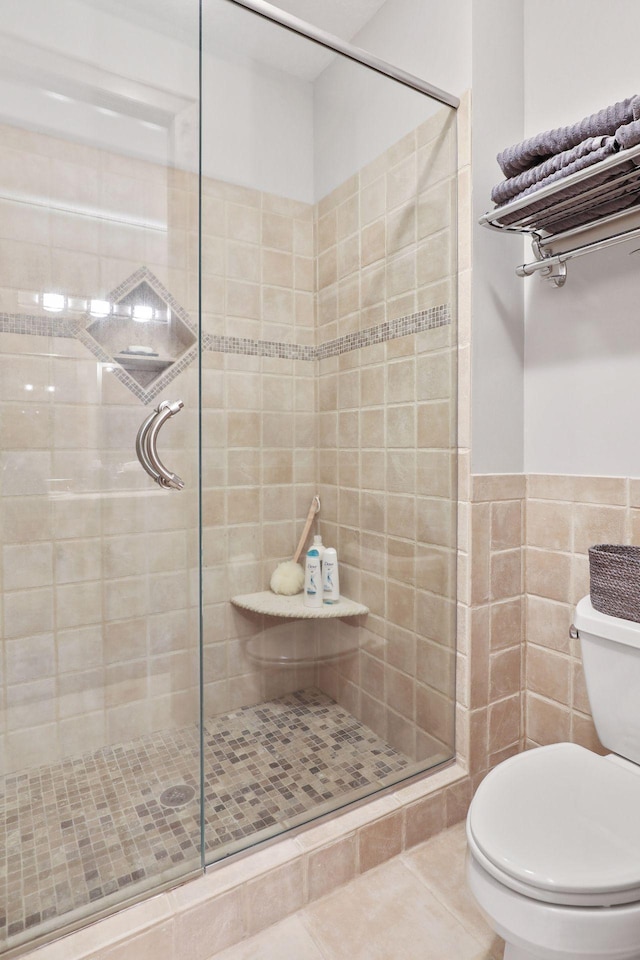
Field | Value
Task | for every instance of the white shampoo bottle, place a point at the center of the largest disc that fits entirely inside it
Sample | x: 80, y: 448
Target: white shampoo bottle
x: 330, y: 577
x: 312, y: 580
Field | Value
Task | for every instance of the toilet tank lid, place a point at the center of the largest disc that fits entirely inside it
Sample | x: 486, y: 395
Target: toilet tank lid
x: 591, y: 621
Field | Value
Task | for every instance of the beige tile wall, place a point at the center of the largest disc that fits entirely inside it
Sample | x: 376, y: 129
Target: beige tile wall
x: 386, y: 242
x: 259, y: 436
x: 528, y: 538
x: 565, y: 516
x: 257, y: 266
x: 385, y: 239
x: 100, y: 580
x: 490, y: 638
x: 101, y: 628
x: 100, y: 632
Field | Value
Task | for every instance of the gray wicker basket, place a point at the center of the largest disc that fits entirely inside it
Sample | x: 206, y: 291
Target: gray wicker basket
x: 614, y: 572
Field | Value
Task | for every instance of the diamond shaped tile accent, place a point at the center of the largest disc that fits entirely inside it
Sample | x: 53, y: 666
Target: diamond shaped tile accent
x: 144, y: 336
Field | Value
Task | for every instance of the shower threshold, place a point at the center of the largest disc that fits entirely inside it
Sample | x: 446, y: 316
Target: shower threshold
x: 89, y: 831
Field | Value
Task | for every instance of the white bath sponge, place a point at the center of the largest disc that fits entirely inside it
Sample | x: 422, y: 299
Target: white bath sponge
x: 287, y: 578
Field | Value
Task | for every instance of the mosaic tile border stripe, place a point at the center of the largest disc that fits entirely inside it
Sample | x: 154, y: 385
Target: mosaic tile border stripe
x: 37, y: 326
x: 419, y: 322
x: 389, y: 330
x: 257, y: 348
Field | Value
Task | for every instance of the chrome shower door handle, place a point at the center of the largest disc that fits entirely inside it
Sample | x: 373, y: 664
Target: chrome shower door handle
x: 165, y: 411
x: 141, y: 447
x: 146, y: 445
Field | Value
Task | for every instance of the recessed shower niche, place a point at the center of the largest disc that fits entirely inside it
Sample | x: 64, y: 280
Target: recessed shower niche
x: 141, y: 328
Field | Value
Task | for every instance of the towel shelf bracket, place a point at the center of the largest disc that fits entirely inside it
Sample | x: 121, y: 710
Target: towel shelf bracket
x: 549, y: 268
x: 576, y: 197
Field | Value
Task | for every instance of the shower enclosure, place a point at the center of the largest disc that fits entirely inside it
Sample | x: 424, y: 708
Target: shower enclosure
x: 228, y: 262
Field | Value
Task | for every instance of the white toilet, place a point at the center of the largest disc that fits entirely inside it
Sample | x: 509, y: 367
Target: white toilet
x: 554, y: 833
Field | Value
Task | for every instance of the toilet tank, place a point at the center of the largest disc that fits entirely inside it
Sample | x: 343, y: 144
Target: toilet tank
x: 611, y: 658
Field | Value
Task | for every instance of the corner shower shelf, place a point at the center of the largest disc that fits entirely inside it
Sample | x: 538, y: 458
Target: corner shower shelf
x: 601, y: 184
x: 275, y: 605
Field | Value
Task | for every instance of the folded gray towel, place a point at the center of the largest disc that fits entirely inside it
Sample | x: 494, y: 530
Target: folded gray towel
x: 629, y: 135
x: 619, y: 195
x: 532, y: 151
x: 555, y: 168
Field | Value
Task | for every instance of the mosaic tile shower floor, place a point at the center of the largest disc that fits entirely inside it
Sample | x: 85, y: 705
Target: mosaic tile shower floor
x: 79, y: 831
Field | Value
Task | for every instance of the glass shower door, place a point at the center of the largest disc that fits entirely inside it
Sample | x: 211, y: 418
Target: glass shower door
x: 99, y: 689
x: 329, y: 367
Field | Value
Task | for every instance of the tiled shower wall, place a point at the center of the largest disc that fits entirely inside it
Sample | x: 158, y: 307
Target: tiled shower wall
x: 99, y: 607
x: 99, y: 568
x: 259, y: 432
x: 387, y: 436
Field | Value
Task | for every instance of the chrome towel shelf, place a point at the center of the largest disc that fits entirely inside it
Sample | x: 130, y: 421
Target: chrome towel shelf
x: 536, y: 214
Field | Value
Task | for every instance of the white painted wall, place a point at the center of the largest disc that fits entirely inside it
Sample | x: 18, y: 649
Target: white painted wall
x: 257, y: 126
x: 497, y: 294
x: 429, y: 39
x: 582, y: 357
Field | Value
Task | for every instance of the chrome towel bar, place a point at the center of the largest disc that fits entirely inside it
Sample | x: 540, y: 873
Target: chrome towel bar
x: 146, y: 445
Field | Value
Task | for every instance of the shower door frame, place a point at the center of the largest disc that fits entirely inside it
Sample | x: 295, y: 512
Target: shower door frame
x: 332, y: 42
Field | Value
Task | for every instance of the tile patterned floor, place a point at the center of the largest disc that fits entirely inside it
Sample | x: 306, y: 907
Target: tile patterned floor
x: 414, y: 907
x: 87, y: 830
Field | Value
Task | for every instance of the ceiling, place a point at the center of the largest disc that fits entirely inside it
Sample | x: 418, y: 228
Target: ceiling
x: 227, y: 26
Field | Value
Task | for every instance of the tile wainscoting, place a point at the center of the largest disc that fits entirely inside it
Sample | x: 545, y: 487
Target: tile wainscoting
x: 528, y: 539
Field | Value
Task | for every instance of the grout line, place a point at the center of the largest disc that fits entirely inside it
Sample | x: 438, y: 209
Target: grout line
x: 321, y: 947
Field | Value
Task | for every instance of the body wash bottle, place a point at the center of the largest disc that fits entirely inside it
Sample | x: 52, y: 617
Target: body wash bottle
x: 312, y: 580
x: 330, y: 578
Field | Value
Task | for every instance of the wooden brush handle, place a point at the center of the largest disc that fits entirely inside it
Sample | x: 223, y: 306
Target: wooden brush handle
x: 313, y: 510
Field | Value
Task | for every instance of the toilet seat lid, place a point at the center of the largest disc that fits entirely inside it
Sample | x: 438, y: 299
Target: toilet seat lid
x: 561, y: 819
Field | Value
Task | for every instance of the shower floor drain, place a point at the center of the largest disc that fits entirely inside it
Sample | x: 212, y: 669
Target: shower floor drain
x: 177, y: 796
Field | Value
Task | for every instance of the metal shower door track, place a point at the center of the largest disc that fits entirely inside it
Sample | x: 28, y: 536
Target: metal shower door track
x: 331, y: 42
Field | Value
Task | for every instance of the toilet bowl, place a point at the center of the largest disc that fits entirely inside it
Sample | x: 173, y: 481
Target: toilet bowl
x: 554, y: 833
